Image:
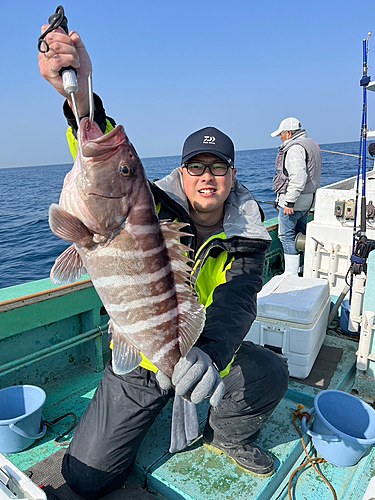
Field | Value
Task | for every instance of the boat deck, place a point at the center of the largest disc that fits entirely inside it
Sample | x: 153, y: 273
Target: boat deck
x: 55, y: 337
x: 197, y: 473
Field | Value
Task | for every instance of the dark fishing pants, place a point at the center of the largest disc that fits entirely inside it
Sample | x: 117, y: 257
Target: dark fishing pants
x: 106, y: 441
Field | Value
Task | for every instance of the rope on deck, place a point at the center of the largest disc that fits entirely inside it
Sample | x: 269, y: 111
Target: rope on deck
x: 312, y: 461
x: 58, y: 419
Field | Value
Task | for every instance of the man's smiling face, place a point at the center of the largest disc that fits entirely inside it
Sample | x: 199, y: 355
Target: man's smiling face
x: 207, y: 193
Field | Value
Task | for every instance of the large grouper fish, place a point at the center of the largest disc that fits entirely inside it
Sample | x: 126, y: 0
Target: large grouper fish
x: 136, y: 262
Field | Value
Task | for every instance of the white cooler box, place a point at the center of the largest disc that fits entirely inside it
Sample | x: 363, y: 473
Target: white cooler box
x: 14, y: 484
x: 293, y: 315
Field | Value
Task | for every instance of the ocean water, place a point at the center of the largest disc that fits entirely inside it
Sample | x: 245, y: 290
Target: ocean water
x: 29, y: 248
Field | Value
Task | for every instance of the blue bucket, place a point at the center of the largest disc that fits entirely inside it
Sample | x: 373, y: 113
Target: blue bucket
x: 344, y: 319
x: 20, y: 417
x: 343, y: 429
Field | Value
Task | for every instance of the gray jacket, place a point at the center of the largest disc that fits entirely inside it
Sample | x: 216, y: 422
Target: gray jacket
x: 301, y: 160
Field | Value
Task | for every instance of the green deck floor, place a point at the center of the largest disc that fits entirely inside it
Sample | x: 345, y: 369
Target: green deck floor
x: 199, y: 474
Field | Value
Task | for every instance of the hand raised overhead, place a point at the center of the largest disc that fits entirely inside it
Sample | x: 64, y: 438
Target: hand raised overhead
x: 66, y: 50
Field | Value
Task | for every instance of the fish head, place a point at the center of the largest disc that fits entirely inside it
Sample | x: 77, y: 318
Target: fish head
x: 110, y: 177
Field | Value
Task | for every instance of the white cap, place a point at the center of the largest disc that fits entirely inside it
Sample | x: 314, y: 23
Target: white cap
x: 287, y: 124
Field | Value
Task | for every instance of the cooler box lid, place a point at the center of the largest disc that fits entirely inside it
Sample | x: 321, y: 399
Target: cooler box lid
x: 293, y: 299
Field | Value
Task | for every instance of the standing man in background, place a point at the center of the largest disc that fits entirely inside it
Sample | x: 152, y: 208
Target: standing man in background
x: 298, y: 173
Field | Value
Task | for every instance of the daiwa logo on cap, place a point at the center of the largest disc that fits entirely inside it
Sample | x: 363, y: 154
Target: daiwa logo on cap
x: 209, y: 139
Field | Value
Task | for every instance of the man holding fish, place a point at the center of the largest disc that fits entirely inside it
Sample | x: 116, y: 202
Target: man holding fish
x: 165, y: 342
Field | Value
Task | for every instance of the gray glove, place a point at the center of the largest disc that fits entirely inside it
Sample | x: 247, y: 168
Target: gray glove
x: 195, y: 378
x: 163, y: 380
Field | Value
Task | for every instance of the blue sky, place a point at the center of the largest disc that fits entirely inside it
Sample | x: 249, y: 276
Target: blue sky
x: 167, y: 68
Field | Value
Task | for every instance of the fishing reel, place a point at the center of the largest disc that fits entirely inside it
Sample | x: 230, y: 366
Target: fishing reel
x: 361, y: 252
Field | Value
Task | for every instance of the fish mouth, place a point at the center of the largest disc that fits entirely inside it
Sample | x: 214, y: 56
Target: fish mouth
x: 98, y: 147
x: 103, y: 196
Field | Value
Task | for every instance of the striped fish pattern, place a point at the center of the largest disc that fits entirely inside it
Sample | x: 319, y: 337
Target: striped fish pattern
x: 135, y: 261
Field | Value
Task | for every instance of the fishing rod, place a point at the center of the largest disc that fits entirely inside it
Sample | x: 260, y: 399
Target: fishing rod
x: 358, y: 267
x: 359, y: 237
x: 273, y: 203
x: 365, y: 80
x: 345, y: 154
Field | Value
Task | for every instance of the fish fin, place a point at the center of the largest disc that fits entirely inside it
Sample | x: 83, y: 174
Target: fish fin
x: 176, y: 249
x: 191, y: 313
x: 192, y: 317
x: 67, y: 268
x: 68, y: 227
x: 125, y: 357
x: 174, y: 228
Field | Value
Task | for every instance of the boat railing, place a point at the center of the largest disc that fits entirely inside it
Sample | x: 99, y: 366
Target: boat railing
x: 34, y: 298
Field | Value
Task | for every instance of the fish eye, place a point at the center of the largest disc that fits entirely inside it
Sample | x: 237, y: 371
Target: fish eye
x: 125, y: 170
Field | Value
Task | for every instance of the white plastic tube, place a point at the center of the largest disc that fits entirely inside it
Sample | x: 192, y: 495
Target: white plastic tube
x: 338, y: 303
x: 333, y: 263
x: 356, y: 302
x: 365, y: 340
x: 316, y: 263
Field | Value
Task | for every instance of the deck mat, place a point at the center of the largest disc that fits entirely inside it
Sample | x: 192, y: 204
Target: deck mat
x: 324, y: 368
x: 48, y: 474
x: 198, y: 474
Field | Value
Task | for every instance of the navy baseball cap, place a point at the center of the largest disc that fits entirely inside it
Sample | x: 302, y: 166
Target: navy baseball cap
x: 209, y: 140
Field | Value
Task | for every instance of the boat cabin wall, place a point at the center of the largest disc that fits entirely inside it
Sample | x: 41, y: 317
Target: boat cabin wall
x: 329, y: 237
x: 351, y: 182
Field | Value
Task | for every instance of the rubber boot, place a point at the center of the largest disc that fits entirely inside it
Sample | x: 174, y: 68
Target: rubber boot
x: 248, y: 457
x: 291, y: 265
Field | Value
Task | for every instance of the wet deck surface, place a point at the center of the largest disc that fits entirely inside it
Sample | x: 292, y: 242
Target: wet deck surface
x: 197, y: 473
